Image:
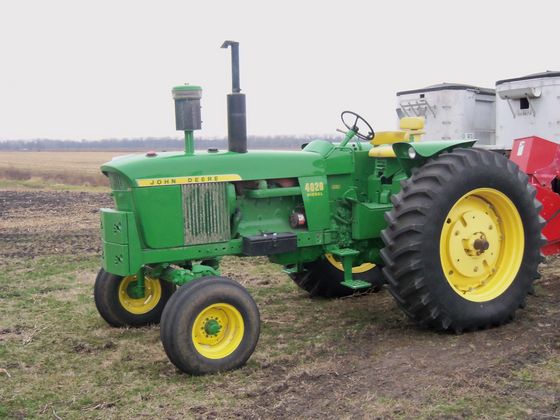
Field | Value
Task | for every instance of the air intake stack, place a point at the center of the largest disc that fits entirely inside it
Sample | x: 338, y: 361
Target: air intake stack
x: 237, y: 116
x: 187, y: 112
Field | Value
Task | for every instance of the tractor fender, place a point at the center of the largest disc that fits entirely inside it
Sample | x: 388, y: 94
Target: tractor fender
x: 424, y: 151
x: 429, y: 149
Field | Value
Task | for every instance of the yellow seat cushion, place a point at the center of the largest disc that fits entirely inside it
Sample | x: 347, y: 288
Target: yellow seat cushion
x: 385, y: 151
x: 389, y: 137
x: 411, y: 123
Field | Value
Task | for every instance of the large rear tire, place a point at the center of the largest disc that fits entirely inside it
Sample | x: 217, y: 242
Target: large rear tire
x: 322, y: 278
x: 463, y: 241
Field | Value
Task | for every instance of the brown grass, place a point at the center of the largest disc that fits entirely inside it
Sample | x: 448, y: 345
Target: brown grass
x: 316, y: 358
x: 66, y: 168
x: 65, y: 178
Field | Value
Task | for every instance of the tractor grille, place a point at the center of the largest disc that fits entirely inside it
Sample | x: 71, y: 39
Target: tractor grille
x: 206, y: 214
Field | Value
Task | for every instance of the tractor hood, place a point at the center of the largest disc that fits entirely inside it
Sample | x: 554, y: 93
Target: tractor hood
x: 229, y: 166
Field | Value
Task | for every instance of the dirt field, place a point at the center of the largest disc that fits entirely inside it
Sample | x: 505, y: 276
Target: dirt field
x: 357, y: 357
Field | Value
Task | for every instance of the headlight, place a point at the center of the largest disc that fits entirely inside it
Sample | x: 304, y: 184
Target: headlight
x: 411, y: 153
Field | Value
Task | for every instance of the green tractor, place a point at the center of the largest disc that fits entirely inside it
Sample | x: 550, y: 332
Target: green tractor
x: 453, y: 231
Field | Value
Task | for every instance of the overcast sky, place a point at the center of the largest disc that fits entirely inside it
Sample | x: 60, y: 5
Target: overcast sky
x: 99, y: 69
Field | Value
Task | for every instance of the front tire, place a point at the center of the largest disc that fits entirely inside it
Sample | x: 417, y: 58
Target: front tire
x: 463, y: 241
x: 210, y: 325
x: 120, y: 309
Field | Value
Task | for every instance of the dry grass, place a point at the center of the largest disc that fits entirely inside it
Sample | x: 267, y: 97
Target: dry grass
x: 78, y: 162
x: 316, y: 358
x: 351, y: 358
x: 51, y: 168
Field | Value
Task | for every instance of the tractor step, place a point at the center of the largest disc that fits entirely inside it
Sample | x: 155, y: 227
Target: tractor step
x: 344, y: 252
x: 356, y: 284
x: 291, y: 270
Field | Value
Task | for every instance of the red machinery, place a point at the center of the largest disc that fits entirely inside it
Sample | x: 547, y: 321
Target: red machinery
x: 540, y: 159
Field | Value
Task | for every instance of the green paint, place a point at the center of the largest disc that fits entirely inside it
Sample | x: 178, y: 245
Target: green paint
x: 425, y: 150
x: 136, y: 289
x: 254, y: 165
x: 212, y: 327
x: 274, y: 192
x: 343, y: 193
x: 349, y: 136
x: 160, y: 217
x: 429, y: 149
x: 315, y: 193
x: 189, y: 143
x: 368, y: 221
x: 180, y: 276
x: 320, y: 147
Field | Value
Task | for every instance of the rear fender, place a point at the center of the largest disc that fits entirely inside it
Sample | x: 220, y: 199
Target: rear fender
x: 425, y: 151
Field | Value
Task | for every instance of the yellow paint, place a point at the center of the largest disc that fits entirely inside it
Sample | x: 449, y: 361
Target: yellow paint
x: 314, y: 189
x: 142, y: 305
x: 362, y: 268
x: 411, y: 123
x: 198, y: 179
x: 229, y: 337
x: 484, y: 214
x: 382, y: 152
x: 314, y: 186
x: 410, y: 131
x: 389, y: 137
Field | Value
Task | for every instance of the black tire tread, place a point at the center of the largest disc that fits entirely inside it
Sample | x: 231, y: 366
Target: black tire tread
x: 407, y: 221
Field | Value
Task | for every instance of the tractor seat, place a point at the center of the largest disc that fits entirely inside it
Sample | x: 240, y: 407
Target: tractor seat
x: 389, y: 137
x: 411, y: 127
x: 384, y: 151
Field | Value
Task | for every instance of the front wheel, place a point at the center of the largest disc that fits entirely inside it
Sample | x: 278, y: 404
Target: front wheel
x: 117, y: 304
x: 463, y: 241
x: 211, y: 324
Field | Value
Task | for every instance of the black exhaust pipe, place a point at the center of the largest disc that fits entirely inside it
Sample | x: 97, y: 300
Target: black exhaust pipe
x: 237, y: 115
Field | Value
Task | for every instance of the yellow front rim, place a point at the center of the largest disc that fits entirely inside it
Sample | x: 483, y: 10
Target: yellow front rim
x: 362, y: 268
x: 218, y: 331
x: 482, y: 244
x: 139, y: 306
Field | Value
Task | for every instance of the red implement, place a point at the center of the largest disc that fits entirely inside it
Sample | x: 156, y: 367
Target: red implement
x: 540, y: 159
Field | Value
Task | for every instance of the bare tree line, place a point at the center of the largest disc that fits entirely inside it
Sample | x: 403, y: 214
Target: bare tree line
x: 148, y: 143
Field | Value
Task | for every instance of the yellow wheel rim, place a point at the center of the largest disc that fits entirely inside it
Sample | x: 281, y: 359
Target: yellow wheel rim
x: 362, y: 268
x: 217, y: 331
x: 139, y: 306
x: 482, y: 244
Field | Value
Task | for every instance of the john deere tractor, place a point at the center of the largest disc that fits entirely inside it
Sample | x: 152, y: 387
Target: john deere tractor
x: 452, y: 230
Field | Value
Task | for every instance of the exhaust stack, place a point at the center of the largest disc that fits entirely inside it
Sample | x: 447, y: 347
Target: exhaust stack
x: 237, y: 115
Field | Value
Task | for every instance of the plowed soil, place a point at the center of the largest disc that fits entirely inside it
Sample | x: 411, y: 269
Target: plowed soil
x: 36, y: 223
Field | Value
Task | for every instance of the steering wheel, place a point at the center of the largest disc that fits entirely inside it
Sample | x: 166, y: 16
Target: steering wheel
x: 354, y: 127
